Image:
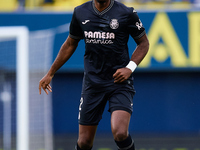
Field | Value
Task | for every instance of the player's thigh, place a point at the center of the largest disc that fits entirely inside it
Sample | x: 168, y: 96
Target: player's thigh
x: 120, y: 120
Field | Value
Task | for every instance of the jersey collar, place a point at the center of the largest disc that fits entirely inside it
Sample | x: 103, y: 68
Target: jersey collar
x: 105, y: 10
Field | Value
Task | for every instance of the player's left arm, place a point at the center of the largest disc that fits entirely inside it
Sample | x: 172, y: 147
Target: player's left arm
x: 141, y: 49
x: 140, y: 52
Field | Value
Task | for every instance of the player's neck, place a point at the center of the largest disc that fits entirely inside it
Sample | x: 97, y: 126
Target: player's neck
x: 101, y: 4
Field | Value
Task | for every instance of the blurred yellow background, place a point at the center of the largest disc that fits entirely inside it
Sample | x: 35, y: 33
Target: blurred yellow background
x: 68, y: 5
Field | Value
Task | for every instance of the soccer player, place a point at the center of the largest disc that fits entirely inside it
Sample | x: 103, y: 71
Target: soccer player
x: 105, y: 26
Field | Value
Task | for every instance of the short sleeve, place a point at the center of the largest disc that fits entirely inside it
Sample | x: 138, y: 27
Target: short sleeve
x: 75, y: 30
x: 135, y: 26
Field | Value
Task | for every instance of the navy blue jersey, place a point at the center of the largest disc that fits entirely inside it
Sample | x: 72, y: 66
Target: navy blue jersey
x: 106, y: 35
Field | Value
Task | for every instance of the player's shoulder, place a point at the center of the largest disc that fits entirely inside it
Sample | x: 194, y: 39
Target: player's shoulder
x: 123, y: 8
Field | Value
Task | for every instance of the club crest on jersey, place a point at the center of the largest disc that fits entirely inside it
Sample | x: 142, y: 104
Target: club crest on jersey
x: 114, y: 24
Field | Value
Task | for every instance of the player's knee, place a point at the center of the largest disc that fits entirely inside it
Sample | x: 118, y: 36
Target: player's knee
x: 120, y: 135
x: 85, y: 143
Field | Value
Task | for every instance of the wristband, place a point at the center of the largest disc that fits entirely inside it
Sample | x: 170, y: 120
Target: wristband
x: 131, y: 65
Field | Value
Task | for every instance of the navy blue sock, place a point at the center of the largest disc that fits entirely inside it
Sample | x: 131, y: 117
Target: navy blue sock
x: 78, y: 148
x: 127, y: 144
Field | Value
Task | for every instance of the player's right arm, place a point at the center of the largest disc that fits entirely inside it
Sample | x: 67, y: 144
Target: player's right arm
x: 66, y: 51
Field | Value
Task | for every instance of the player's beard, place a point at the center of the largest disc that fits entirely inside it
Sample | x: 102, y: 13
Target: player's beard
x: 101, y: 1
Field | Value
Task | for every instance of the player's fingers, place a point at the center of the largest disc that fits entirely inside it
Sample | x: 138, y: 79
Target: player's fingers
x: 117, y: 78
x: 49, y: 88
x: 116, y: 74
x: 120, y: 79
x: 45, y: 87
x: 46, y: 91
x: 39, y: 88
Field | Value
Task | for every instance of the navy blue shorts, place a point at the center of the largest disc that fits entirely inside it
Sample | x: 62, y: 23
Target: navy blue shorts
x: 93, y: 102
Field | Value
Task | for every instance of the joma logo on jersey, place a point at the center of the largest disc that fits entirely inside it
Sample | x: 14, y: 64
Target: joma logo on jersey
x: 99, y: 35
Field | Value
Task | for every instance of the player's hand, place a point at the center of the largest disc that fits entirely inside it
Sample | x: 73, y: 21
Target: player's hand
x: 121, y: 75
x: 45, y: 84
